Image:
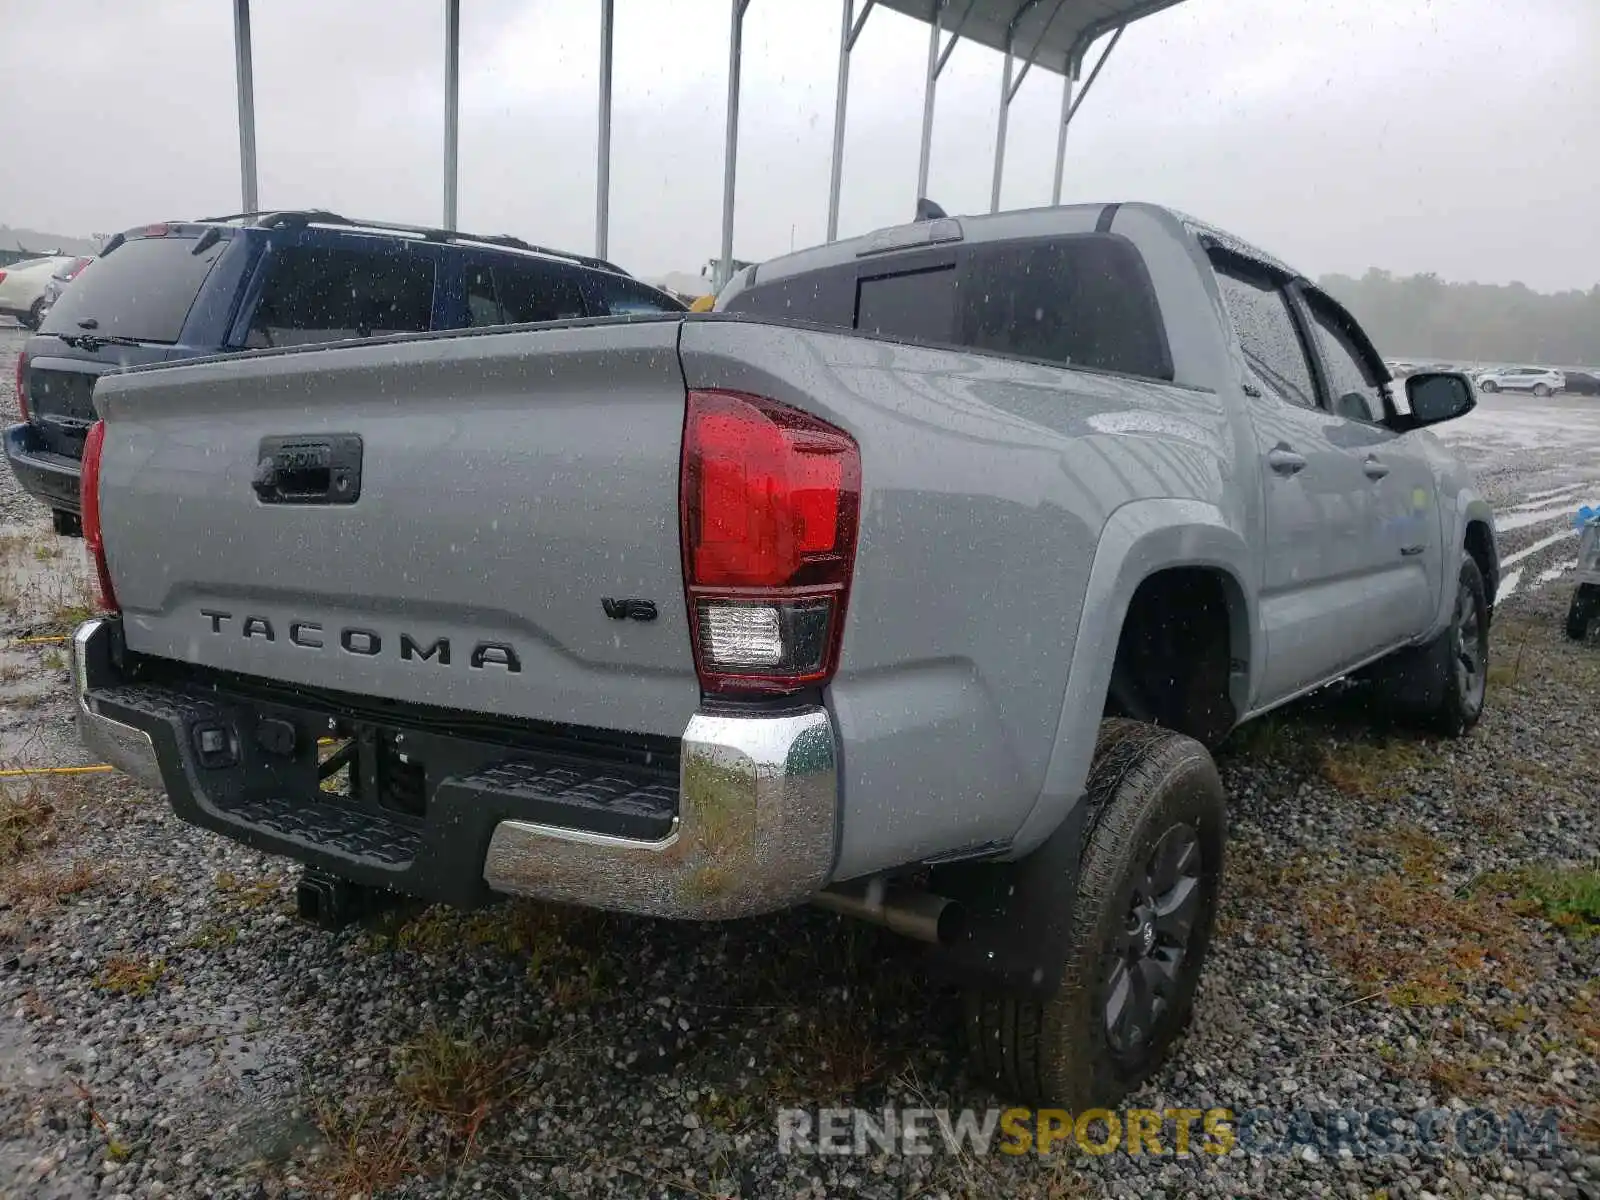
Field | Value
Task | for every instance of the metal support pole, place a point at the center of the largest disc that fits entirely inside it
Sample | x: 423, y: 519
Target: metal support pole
x: 1095, y: 74
x: 1000, y: 132
x: 929, y: 86
x: 850, y: 28
x: 1061, y: 132
x: 730, y: 153
x: 602, y: 184
x: 244, y: 75
x: 841, y: 94
x: 452, y: 105
x: 1069, y: 104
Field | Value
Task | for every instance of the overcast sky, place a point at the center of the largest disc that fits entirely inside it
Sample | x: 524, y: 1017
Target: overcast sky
x: 1455, y: 136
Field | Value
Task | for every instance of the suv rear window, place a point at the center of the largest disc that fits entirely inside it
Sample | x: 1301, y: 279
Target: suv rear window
x: 142, y: 289
x: 326, y: 294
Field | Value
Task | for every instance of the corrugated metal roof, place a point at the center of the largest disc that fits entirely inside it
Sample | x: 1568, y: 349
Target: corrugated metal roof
x: 1060, y: 29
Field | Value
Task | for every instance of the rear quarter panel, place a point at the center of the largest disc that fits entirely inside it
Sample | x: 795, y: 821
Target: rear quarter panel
x: 987, y: 485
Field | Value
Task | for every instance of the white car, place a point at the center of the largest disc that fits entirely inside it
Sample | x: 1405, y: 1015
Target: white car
x: 22, y: 287
x: 1541, y: 381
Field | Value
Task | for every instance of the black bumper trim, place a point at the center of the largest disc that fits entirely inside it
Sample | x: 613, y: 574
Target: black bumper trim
x: 46, y: 476
x: 274, y: 801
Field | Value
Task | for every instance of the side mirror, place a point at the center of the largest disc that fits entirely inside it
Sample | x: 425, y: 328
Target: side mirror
x: 1437, y: 396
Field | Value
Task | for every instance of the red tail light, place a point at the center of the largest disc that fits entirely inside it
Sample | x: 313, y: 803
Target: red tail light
x: 89, y: 503
x: 22, y: 381
x: 770, y: 499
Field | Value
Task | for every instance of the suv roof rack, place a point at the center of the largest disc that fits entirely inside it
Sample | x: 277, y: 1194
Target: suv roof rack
x: 288, y: 218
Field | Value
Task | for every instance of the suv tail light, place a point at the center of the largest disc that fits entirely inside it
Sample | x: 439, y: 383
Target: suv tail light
x: 769, y: 504
x: 22, y: 380
x: 89, y: 504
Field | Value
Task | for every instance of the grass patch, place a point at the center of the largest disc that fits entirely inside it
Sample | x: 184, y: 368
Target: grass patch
x: 248, y: 894
x: 564, y: 947
x: 53, y: 661
x: 372, y: 1151
x: 461, y: 1076
x: 1403, y: 934
x: 215, y: 936
x: 1272, y: 737
x: 50, y: 883
x: 1568, y: 897
x: 1370, y: 769
x: 130, y: 977
x: 23, y: 820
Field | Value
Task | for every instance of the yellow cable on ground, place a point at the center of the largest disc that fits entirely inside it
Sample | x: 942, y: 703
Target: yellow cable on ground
x: 39, y: 641
x: 94, y: 769
x: 15, y: 771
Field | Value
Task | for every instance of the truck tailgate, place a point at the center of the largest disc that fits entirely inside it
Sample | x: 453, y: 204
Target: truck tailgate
x: 510, y: 485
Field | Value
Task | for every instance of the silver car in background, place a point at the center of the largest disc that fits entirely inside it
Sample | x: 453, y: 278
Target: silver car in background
x: 59, y: 280
x: 1541, y: 381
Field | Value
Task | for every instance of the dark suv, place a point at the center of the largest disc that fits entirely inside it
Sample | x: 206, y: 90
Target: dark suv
x: 258, y: 280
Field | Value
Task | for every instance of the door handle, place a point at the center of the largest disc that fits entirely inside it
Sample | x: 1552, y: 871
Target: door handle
x: 1375, y: 469
x: 1285, y: 461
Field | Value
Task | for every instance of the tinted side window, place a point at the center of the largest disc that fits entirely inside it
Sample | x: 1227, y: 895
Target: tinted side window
x: 619, y: 295
x: 537, y: 291
x: 1268, y: 335
x: 483, y: 302
x: 919, y: 306
x: 1352, y: 391
x: 142, y: 289
x: 322, y: 294
x: 1083, y: 301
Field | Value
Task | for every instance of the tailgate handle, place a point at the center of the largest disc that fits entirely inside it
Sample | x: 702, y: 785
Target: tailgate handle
x: 309, y: 469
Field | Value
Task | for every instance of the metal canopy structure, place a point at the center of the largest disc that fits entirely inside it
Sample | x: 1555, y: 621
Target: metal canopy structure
x: 1054, y: 35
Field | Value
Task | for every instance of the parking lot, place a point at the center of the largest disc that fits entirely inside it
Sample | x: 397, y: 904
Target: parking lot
x: 1403, y: 929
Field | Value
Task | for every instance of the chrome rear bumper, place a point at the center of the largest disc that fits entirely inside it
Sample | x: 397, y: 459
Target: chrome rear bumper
x: 756, y: 829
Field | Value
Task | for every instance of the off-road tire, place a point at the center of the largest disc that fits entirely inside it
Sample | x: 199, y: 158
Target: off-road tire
x: 1429, y: 685
x: 1144, y: 784
x: 1585, y: 608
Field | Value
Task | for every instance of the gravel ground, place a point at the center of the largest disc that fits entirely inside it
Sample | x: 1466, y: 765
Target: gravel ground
x: 1388, y: 942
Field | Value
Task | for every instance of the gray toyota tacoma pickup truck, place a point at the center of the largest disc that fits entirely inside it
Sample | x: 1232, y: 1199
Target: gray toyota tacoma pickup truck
x: 913, y: 582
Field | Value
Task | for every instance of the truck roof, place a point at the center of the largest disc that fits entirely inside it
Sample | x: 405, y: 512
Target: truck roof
x: 1028, y: 222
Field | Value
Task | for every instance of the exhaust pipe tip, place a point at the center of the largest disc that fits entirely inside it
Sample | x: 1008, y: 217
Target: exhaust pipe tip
x: 922, y: 916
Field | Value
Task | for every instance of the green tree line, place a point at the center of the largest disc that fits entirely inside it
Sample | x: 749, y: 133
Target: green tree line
x: 1424, y: 317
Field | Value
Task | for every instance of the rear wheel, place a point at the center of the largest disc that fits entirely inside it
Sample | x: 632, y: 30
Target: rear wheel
x: 1541, y: 390
x: 35, y: 314
x: 1141, y: 925
x: 1585, y: 607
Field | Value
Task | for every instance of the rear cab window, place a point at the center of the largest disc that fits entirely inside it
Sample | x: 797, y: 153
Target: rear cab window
x: 141, y: 289
x: 1078, y: 300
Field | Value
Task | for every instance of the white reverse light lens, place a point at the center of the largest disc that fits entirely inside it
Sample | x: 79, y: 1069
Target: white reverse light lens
x: 741, y: 635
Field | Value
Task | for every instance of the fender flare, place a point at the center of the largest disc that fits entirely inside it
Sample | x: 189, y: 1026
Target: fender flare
x: 1138, y: 540
x: 1019, y: 911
